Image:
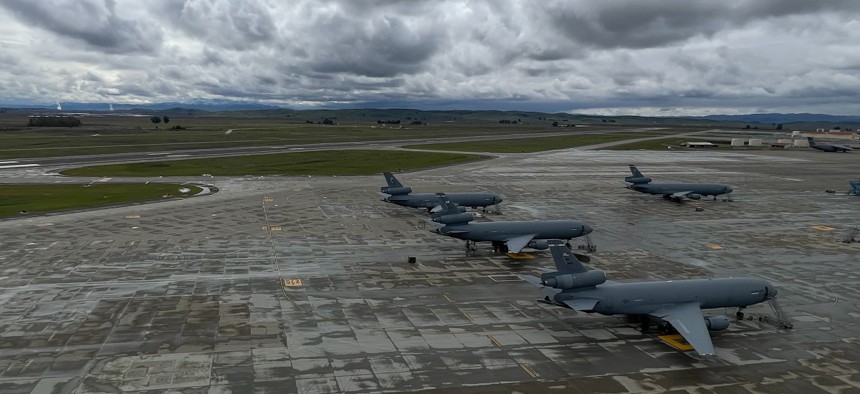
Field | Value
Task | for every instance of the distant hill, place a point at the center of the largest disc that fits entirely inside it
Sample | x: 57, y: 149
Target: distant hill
x: 783, y: 118
x: 802, y: 121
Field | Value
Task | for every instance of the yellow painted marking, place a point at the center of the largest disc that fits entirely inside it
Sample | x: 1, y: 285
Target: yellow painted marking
x: 275, y: 228
x: 528, y: 370
x: 518, y: 189
x: 468, y: 316
x: 447, y: 298
x: 713, y: 246
x: 823, y: 228
x: 520, y: 256
x: 292, y: 282
x: 494, y: 341
x: 268, y: 199
x: 676, y: 341
x: 45, y: 224
x: 430, y: 282
x: 132, y: 216
x: 415, y: 268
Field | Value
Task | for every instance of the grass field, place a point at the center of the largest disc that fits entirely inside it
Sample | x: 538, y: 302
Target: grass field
x: 39, y: 199
x: 333, y: 162
x: 117, y: 134
x: 527, y: 145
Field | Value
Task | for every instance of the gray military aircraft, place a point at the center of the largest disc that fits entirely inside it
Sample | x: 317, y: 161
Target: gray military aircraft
x: 402, y: 195
x: 507, y: 236
x: 676, y: 302
x: 674, y: 191
x: 828, y: 147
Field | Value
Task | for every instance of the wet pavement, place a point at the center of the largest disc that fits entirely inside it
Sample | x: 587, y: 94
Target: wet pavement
x: 303, y: 285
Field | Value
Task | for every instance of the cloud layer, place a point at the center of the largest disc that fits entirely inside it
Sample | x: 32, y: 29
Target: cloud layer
x: 611, y: 56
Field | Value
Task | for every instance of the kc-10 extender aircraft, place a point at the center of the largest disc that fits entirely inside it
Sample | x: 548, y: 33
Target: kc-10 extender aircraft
x: 828, y: 147
x: 506, y: 236
x: 674, y: 191
x: 402, y: 195
x: 677, y: 302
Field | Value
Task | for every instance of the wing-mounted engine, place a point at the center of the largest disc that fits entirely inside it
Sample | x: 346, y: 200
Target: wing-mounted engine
x: 539, y: 244
x: 636, y: 180
x: 562, y: 281
x: 717, y: 323
x: 694, y: 196
x: 395, y: 190
x: 457, y: 218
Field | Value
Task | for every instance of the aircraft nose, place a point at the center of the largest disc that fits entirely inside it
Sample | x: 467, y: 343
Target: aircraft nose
x: 770, y: 292
x: 586, y: 229
x: 497, y: 198
x: 729, y: 189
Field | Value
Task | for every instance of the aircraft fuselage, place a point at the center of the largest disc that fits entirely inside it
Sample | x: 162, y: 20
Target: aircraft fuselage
x: 502, y: 231
x: 640, y: 298
x: 704, y: 189
x: 431, y: 200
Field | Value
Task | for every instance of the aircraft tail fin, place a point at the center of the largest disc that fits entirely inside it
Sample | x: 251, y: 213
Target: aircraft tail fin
x: 392, y: 181
x: 394, y: 186
x: 811, y: 141
x: 565, y: 260
x: 451, y: 213
x: 447, y: 207
x: 637, y: 176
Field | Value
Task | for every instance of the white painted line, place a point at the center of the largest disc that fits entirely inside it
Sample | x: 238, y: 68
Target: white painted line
x: 18, y: 166
x: 504, y: 278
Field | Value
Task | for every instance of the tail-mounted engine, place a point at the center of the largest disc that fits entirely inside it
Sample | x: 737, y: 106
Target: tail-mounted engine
x: 456, y: 218
x: 562, y: 281
x: 637, y: 179
x: 393, y: 190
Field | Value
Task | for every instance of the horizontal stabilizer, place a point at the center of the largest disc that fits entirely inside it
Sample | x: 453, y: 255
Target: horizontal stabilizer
x: 582, y: 304
x: 535, y: 281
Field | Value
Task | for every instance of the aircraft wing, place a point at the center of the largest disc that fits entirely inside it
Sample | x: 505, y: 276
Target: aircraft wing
x: 688, y: 320
x: 516, y: 244
x: 437, y: 209
x: 681, y: 194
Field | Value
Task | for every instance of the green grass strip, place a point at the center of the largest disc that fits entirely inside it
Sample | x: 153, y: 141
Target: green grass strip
x: 39, y: 199
x: 331, y: 162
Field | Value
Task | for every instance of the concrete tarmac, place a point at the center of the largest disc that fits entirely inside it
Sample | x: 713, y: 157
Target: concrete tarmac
x: 280, y: 284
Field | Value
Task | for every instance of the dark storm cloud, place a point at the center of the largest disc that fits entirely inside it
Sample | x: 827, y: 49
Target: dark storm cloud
x: 643, y: 24
x: 93, y: 22
x: 667, y: 57
x: 237, y: 25
x: 382, y: 46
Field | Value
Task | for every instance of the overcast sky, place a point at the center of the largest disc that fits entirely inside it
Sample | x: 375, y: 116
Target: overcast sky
x: 610, y: 56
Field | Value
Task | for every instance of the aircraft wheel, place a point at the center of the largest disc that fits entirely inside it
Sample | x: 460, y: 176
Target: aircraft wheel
x: 739, y: 315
